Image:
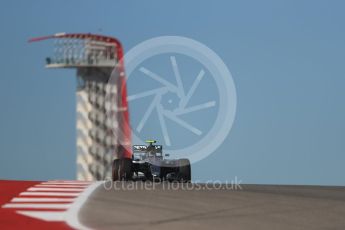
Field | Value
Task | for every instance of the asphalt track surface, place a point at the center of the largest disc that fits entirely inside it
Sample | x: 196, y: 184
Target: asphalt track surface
x: 252, y: 207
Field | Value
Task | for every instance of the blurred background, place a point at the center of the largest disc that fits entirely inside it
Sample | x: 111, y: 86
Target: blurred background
x: 286, y: 59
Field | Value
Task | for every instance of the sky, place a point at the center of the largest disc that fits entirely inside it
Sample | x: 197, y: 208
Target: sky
x: 286, y: 59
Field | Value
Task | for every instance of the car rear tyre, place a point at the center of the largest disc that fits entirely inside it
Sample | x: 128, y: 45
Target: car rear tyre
x: 122, y: 169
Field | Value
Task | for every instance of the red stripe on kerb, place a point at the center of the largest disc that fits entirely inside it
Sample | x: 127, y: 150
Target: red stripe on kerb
x: 10, y: 189
x: 9, y: 219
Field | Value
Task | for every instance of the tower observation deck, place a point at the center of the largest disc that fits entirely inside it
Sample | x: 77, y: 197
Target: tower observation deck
x: 102, y: 113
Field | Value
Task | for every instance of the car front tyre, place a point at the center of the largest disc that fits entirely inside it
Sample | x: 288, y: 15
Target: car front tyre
x: 184, y: 171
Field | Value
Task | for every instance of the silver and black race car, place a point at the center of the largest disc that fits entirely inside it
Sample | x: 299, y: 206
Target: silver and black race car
x: 149, y: 163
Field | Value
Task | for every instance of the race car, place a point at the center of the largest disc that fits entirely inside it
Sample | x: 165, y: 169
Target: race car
x: 148, y: 163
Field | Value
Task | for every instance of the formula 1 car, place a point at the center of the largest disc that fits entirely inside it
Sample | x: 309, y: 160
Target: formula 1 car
x: 148, y: 163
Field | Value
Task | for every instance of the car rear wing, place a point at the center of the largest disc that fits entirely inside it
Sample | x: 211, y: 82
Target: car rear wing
x: 142, y: 148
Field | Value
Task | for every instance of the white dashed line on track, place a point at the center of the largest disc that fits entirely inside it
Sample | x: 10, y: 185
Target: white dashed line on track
x: 20, y: 199
x: 57, y: 189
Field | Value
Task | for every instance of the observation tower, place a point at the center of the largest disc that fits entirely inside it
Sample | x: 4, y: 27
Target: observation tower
x: 102, y: 122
